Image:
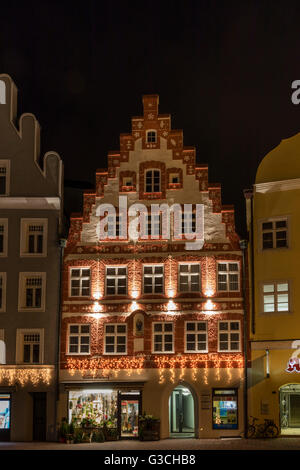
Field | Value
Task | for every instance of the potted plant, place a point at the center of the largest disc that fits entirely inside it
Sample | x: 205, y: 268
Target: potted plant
x: 110, y: 430
x: 63, y: 430
x: 149, y: 428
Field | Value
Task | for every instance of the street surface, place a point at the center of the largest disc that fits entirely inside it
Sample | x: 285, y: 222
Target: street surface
x: 282, y: 443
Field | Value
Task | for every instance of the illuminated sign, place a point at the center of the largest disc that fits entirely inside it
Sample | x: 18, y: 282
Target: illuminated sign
x: 294, y: 362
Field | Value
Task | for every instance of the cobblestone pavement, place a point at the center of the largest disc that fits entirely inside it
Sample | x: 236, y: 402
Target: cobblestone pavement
x: 284, y: 443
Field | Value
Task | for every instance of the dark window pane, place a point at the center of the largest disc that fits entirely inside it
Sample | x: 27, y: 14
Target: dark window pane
x: 40, y: 244
x: 38, y: 297
x: 36, y: 353
x: 2, y: 184
x: 31, y: 244
x: 29, y: 297
x: 26, y: 357
x: 110, y: 328
x: 168, y: 326
x: 267, y: 225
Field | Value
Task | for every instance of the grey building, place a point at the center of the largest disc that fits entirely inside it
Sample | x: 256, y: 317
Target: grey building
x: 31, y: 201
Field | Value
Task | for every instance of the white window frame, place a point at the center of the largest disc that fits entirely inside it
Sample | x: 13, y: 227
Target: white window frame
x: 195, y: 332
x: 163, y: 333
x: 147, y: 136
x: 227, y: 274
x: 79, y: 335
x: 6, y: 164
x: 116, y: 277
x: 273, y: 220
x: 115, y: 335
x: 154, y: 221
x: 24, y: 237
x: 152, y: 181
x: 4, y: 223
x: 116, y: 220
x: 189, y: 221
x: 80, y: 278
x: 188, y: 275
x: 153, y: 275
x: 23, y: 276
x: 20, y: 344
x: 229, y: 331
x: 275, y: 293
x: 3, y: 288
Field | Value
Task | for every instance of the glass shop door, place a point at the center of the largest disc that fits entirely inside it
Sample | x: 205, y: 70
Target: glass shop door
x: 129, y: 411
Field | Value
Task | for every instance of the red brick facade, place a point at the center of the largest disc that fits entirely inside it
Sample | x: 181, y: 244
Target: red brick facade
x: 84, y: 249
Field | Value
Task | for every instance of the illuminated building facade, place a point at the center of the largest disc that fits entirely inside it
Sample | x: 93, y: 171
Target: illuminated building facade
x: 147, y: 325
x: 30, y: 219
x: 274, y: 250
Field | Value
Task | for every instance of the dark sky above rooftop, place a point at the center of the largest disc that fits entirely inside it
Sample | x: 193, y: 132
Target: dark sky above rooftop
x: 223, y: 70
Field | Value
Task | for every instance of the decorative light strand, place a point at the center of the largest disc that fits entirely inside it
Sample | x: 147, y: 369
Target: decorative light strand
x: 23, y: 377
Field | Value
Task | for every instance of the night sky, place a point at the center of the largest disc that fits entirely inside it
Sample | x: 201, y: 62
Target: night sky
x: 223, y: 70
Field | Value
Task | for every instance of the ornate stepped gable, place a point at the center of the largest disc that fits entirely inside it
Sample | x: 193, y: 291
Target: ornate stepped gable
x: 135, y: 156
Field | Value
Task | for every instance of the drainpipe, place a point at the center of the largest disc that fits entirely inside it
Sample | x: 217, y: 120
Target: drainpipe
x: 243, y: 246
x: 62, y: 244
x: 248, y: 194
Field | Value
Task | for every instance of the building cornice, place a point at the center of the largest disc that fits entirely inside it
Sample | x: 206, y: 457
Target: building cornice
x: 52, y: 203
x: 276, y: 186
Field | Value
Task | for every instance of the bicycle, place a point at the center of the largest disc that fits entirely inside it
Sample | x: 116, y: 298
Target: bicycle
x: 251, y: 431
x: 268, y: 429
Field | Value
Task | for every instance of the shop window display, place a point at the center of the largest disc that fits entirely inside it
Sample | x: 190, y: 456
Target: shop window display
x: 225, y: 410
x: 4, y: 411
x: 93, y: 406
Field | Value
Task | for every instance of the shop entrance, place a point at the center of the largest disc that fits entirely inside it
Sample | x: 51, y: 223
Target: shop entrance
x: 181, y: 412
x: 290, y: 409
x: 130, y: 407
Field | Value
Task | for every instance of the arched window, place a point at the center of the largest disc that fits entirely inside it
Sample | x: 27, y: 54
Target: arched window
x: 2, y: 92
x: 151, y: 136
x: 152, y: 181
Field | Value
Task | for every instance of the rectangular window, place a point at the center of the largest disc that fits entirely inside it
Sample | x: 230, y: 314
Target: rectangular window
x: 31, y: 348
x: 33, y: 296
x: 225, y: 409
x: 114, y: 226
x: 33, y: 240
x: 3, y: 237
x: 163, y: 337
x: 188, y: 223
x: 229, y: 336
x: 228, y: 277
x: 115, y: 338
x: 32, y: 291
x: 4, y: 177
x: 154, y: 279
x: 196, y: 336
x: 274, y: 234
x: 152, y: 181
x: 154, y: 225
x: 79, y: 339
x: 80, y: 282
x: 276, y: 297
x: 116, y: 280
x: 189, y: 277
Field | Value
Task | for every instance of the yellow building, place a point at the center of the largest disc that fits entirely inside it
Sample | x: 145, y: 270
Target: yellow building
x: 274, y: 253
